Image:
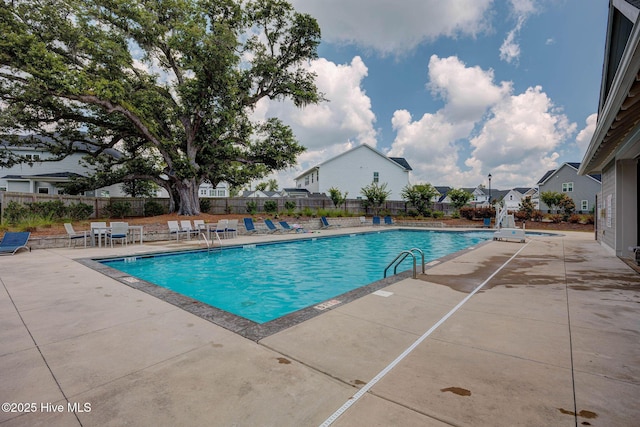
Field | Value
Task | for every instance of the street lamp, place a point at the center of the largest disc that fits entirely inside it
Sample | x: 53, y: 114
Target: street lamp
x: 489, y: 190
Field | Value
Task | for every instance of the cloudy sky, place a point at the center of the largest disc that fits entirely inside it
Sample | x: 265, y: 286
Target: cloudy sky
x: 460, y: 88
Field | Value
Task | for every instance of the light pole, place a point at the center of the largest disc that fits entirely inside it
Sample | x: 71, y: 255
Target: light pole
x: 489, y: 190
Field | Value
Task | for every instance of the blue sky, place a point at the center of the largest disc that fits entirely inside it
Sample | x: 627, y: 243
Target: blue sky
x: 460, y: 88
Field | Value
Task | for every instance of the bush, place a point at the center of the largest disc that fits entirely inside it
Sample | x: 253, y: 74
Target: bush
x: 555, y: 218
x: 205, y: 205
x: 252, y: 207
x: 537, y: 215
x: 306, y: 212
x: 54, y: 209
x: 437, y: 214
x: 588, y: 219
x: 290, y: 206
x: 153, y: 208
x: 575, y: 218
x: 14, y: 212
x: 79, y: 211
x: 271, y: 206
x: 117, y: 209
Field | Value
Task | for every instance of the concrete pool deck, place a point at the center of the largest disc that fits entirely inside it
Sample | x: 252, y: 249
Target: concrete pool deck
x: 551, y: 339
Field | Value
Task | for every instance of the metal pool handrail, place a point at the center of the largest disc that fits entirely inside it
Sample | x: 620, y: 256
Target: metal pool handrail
x: 401, y: 257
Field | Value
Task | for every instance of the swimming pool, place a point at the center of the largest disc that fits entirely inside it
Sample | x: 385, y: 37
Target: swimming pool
x: 267, y: 281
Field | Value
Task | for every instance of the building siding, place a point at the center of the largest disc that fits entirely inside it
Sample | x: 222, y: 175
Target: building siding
x: 608, y: 211
x: 584, y: 187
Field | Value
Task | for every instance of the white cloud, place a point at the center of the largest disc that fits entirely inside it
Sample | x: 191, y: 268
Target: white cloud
x: 389, y: 26
x: 510, y: 48
x: 515, y: 137
x: 584, y: 136
x: 328, y: 128
x: 519, y: 141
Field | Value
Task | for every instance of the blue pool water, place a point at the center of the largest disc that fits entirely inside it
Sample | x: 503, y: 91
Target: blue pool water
x: 267, y: 281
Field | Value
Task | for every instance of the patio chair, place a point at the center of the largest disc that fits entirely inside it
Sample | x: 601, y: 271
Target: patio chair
x: 118, y: 231
x: 231, y: 230
x: 75, y: 235
x: 12, y: 242
x: 363, y: 220
x: 271, y: 227
x: 187, y: 228
x: 249, y: 226
x: 376, y: 220
x: 221, y: 228
x: 198, y: 224
x: 174, y: 228
x: 388, y: 220
x: 286, y: 227
x: 325, y: 223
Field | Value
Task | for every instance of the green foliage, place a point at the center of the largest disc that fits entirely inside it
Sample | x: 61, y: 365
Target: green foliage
x: 205, y: 205
x: 567, y: 206
x: 307, y: 212
x: 139, y: 188
x: 459, y: 197
x: 118, y: 209
x: 437, y: 214
x: 79, y: 211
x: 271, y: 206
x: 420, y: 196
x: 289, y: 206
x: 172, y: 84
x: 153, y: 208
x: 526, y: 208
x: 551, y: 199
x: 337, y: 197
x: 32, y: 221
x: 14, y: 212
x: 54, y: 209
x: 375, y: 196
x: 252, y: 207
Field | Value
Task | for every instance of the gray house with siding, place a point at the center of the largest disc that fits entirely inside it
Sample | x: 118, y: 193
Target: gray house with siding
x: 565, y: 179
x: 614, y: 149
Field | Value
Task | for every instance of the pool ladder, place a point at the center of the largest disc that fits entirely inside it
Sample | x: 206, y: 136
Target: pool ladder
x: 209, y: 245
x: 401, y: 257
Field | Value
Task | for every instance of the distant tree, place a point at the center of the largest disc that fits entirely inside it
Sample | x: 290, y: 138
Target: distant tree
x: 272, y: 184
x: 551, y: 199
x: 420, y: 196
x: 459, y: 197
x: 139, y: 188
x: 261, y: 186
x: 337, y: 197
x: 527, y: 208
x: 567, y: 206
x: 375, y: 196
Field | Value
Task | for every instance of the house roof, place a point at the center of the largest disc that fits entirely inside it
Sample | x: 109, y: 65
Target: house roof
x: 574, y: 165
x: 46, y: 176
x: 616, y: 132
x: 398, y: 161
x: 39, y: 142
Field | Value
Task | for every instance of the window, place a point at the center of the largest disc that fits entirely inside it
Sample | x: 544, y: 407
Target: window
x: 376, y: 177
x: 584, y: 205
x: 567, y: 187
x: 312, y: 178
x: 202, y: 192
x: 222, y: 193
x: 104, y: 193
x: 43, y: 190
x: 306, y: 180
x: 3, y: 188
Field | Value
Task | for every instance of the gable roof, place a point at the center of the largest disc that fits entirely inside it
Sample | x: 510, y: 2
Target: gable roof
x: 574, y: 165
x: 400, y: 162
x: 56, y: 175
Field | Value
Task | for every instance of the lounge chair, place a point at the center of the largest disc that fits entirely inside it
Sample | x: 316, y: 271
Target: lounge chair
x: 187, y: 228
x: 118, y: 231
x: 271, y: 227
x: 249, y: 226
x: 12, y: 242
x: 325, y: 223
x: 231, y: 230
x: 174, y: 228
x: 376, y: 220
x: 221, y: 227
x: 286, y: 227
x: 388, y: 220
x: 75, y: 235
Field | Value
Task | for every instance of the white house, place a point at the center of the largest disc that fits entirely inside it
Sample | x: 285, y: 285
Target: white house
x: 614, y: 149
x: 46, y: 177
x: 355, y: 169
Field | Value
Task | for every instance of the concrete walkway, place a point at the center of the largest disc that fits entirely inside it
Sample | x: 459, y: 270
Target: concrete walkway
x: 551, y: 339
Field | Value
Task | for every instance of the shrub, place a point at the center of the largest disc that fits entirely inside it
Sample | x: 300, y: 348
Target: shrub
x: 252, y: 207
x: 53, y: 209
x: 271, y: 206
x: 574, y: 219
x: 412, y: 213
x: 14, y: 212
x: 437, y: 214
x: 588, y: 219
x: 290, y: 206
x: 467, y: 212
x: 306, y: 212
x: 79, y: 211
x: 153, y: 208
x: 537, y: 215
x: 117, y: 209
x: 556, y: 218
x: 32, y: 221
x: 205, y: 205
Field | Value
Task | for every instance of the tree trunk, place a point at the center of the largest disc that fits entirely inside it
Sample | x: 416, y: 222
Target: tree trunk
x: 188, y: 200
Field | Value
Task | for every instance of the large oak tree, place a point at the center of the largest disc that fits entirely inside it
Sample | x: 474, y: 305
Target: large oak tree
x: 171, y: 84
